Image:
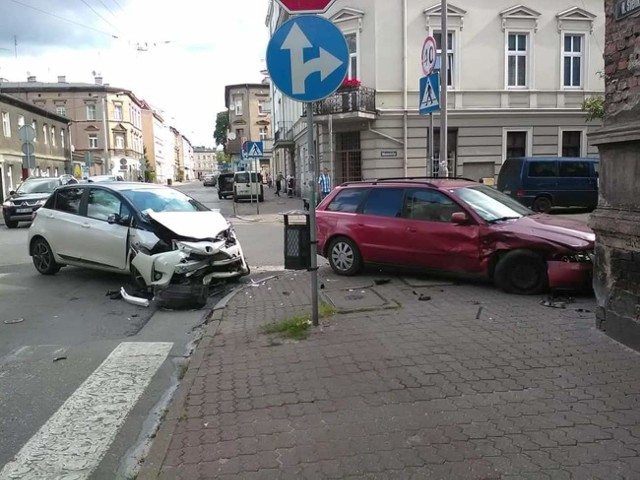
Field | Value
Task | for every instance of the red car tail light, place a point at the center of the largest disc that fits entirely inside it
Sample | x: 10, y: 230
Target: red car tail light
x: 520, y: 193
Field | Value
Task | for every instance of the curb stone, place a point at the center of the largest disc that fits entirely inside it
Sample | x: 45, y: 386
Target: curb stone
x: 153, y: 462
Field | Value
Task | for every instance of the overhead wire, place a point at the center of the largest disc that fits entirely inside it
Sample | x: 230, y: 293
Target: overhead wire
x: 44, y: 12
x: 106, y: 7
x: 100, y: 15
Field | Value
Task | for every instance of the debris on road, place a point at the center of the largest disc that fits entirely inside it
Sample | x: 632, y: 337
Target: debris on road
x: 424, y: 298
x: 552, y: 304
x: 382, y: 281
x: 13, y: 321
x: 57, y: 359
x: 479, y: 313
x: 138, y: 301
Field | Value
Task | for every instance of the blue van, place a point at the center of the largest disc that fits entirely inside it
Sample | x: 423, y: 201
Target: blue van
x: 542, y: 183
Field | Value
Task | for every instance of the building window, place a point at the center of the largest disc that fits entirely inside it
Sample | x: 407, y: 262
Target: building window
x: 239, y: 133
x: 117, y: 112
x: 20, y: 121
x: 516, y: 144
x: 450, y: 54
x: 62, y: 138
x: 352, y: 42
x: 91, y: 112
x: 119, y: 142
x: 349, y: 157
x: 261, y: 108
x: 53, y: 136
x: 34, y: 125
x: 45, y: 134
x: 517, y: 53
x: 6, y: 124
x: 62, y: 111
x: 93, y: 141
x: 572, y: 60
x: 237, y: 104
x: 264, y: 133
x: 571, y: 143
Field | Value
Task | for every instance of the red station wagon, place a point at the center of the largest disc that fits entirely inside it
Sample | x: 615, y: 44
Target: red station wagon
x: 456, y: 226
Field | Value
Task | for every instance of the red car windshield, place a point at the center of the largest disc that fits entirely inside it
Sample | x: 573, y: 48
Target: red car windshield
x: 491, y: 204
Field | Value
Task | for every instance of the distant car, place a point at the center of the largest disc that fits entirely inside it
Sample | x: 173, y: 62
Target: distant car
x: 542, y: 183
x: 248, y: 185
x: 209, y: 180
x: 29, y: 197
x: 225, y: 185
x: 454, y: 226
x: 106, y: 178
x: 168, y: 242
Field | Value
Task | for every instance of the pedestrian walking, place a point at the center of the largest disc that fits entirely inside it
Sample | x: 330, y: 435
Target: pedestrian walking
x: 279, y: 180
x: 324, y: 184
x: 290, y: 185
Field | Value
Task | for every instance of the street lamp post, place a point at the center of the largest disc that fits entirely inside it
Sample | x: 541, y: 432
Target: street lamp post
x: 105, y: 127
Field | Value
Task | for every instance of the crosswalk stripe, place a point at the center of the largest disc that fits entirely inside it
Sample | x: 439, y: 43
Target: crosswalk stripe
x: 74, y: 440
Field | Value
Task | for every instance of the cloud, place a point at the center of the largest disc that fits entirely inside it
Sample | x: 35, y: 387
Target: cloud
x: 42, y: 24
x: 177, y: 56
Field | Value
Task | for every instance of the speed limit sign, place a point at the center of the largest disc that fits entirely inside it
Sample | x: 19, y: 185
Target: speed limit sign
x: 429, y: 55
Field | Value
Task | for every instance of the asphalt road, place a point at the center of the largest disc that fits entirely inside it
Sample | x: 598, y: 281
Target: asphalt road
x: 56, y: 331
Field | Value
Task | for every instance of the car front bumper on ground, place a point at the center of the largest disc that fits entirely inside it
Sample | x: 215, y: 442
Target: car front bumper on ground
x: 570, y: 275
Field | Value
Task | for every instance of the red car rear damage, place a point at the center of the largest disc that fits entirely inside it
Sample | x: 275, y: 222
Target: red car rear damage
x: 455, y: 226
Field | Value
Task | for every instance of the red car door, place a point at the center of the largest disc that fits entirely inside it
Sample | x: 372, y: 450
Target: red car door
x: 434, y: 241
x: 379, y: 227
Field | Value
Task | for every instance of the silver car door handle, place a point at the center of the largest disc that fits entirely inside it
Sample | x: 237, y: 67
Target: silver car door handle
x: 86, y: 225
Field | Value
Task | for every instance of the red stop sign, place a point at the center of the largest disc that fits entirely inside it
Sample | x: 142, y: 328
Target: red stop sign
x: 306, y: 6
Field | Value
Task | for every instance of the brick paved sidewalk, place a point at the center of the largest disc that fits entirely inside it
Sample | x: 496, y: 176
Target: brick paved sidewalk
x: 425, y: 390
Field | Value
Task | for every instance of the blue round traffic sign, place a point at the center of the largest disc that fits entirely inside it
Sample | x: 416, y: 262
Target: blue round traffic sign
x: 308, y: 58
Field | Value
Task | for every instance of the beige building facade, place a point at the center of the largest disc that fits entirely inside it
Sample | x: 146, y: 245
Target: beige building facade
x: 205, y: 160
x: 50, y: 143
x: 519, y: 76
x: 249, y: 108
x: 106, y: 128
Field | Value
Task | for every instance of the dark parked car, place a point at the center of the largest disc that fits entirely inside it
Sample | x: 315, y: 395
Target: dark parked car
x: 456, y: 226
x: 542, y: 183
x: 209, y: 180
x: 29, y: 197
x: 225, y: 185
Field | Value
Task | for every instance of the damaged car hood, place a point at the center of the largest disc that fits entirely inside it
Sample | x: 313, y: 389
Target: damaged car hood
x: 562, y: 231
x: 194, y: 225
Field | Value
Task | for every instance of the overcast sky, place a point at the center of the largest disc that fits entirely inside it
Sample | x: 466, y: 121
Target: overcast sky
x: 177, y: 55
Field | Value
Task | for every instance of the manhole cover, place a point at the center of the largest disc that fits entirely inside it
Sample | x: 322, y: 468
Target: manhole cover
x: 346, y: 300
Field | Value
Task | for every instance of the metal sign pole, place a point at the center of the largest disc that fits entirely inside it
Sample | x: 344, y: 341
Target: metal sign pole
x: 312, y: 218
x: 259, y: 184
x: 431, y: 135
x: 444, y: 76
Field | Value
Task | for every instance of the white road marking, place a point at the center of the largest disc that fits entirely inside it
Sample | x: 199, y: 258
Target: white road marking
x: 267, y: 268
x: 74, y: 440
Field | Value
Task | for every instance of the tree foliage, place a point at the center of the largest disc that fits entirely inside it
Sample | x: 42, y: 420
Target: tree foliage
x: 222, y: 126
x: 594, y: 106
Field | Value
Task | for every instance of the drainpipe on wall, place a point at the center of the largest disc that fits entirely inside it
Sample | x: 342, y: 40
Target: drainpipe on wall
x: 405, y: 25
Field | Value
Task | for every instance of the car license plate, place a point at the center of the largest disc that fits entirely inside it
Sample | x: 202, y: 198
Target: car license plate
x: 23, y: 210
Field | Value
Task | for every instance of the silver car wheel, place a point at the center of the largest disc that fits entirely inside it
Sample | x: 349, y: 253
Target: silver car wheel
x: 343, y: 256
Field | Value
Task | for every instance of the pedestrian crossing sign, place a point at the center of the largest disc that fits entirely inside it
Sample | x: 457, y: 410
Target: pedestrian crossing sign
x: 255, y: 150
x: 429, y: 94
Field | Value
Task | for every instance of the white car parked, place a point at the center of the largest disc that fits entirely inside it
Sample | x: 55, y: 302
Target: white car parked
x: 167, y: 241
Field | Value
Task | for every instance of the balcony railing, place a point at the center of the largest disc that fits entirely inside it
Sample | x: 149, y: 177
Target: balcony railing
x: 347, y: 100
x: 283, y: 133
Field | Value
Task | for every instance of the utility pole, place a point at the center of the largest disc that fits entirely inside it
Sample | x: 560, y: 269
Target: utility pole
x: 444, y: 75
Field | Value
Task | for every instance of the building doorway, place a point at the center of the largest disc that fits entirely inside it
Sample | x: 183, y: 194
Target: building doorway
x: 452, y: 147
x: 348, y: 166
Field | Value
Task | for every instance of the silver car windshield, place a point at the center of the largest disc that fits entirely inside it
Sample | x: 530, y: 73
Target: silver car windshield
x: 491, y: 204
x: 163, y: 200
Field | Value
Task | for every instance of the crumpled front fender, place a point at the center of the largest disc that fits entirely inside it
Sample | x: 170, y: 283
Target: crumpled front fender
x: 162, y: 263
